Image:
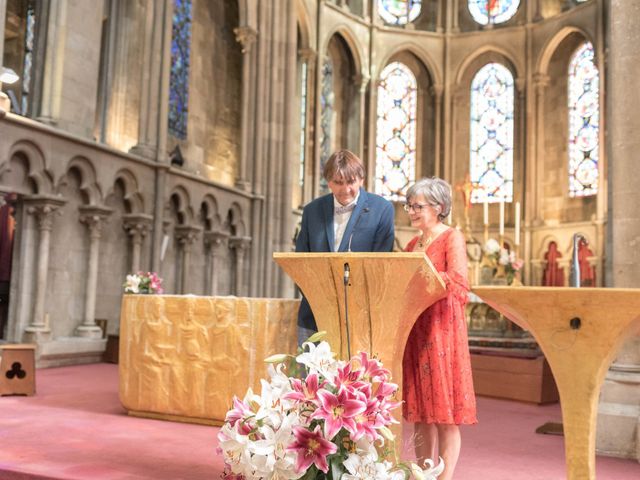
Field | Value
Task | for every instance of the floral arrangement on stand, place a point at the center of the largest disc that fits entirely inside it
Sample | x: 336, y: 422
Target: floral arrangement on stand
x: 143, y: 282
x: 504, y: 262
x: 317, y: 418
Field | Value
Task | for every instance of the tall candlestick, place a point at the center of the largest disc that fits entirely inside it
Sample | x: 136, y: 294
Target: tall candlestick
x: 485, y: 213
x: 501, y: 231
x: 517, y: 233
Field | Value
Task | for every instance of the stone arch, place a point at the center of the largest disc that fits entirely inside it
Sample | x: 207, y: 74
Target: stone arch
x: 180, y: 201
x: 86, y: 173
x: 210, y: 213
x: 467, y: 68
x: 134, y: 201
x: 27, y: 165
x: 235, y: 222
x: 303, y: 22
x: 353, y: 47
x: 544, y: 245
x: 552, y: 45
x: 414, y: 49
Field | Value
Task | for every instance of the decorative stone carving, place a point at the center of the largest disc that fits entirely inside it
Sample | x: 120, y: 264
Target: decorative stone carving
x: 216, y: 243
x: 186, y: 235
x: 245, y: 36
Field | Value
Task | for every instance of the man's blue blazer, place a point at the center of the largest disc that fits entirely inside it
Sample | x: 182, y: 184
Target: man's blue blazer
x: 370, y: 229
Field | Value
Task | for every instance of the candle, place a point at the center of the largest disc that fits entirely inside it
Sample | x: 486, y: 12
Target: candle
x: 485, y: 213
x: 501, y: 233
x: 517, y: 233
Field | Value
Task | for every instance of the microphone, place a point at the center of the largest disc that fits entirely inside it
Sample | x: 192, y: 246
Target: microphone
x: 347, y: 272
x: 364, y: 210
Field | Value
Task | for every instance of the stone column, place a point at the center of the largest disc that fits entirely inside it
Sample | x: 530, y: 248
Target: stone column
x: 436, y: 92
x: 454, y: 16
x: 94, y: 218
x: 137, y: 227
x: 44, y: 210
x: 54, y: 62
x: 185, y: 235
x: 618, y: 429
x: 3, y: 10
x: 152, y: 123
x: 216, y: 243
x: 246, y: 36
x: 240, y: 245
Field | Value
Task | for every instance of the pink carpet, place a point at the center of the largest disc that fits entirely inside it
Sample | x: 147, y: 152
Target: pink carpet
x: 75, y: 428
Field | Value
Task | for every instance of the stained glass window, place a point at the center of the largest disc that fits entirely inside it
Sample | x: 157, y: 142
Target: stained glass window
x: 399, y: 12
x: 303, y: 120
x: 179, y: 77
x: 493, y: 11
x: 491, y: 162
x: 396, y: 131
x: 584, y: 119
x: 29, y: 44
x: 326, y: 118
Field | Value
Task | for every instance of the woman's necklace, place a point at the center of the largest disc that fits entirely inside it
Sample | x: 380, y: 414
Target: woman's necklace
x: 424, y: 242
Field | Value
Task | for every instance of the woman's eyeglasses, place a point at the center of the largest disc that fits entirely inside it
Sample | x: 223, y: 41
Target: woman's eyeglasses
x: 416, y: 207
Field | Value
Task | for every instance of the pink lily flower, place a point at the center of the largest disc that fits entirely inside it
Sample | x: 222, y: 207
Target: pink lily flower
x: 240, y: 411
x: 305, y: 390
x: 373, y: 369
x: 346, y: 378
x: 311, y: 447
x: 338, y: 411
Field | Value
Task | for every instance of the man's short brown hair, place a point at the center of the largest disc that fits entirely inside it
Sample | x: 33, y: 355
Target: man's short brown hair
x: 345, y: 164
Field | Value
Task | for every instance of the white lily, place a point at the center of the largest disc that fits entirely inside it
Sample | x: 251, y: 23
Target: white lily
x: 319, y: 359
x: 429, y: 472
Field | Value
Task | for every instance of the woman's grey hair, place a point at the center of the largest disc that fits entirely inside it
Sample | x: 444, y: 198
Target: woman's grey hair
x: 435, y: 191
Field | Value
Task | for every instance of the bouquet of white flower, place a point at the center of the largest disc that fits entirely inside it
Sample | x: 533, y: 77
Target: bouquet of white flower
x: 331, y: 422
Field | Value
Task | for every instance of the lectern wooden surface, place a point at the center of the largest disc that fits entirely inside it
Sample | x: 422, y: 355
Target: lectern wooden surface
x: 580, y: 330
x: 386, y: 294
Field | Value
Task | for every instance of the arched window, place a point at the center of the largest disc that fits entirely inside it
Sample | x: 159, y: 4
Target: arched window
x: 179, y: 76
x: 493, y: 11
x: 399, y: 12
x: 584, y: 119
x: 396, y: 131
x: 492, y: 100
x: 326, y: 118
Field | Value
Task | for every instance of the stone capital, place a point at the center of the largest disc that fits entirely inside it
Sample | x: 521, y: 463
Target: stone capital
x: 245, y: 36
x: 307, y: 55
x: 239, y: 244
x: 94, y: 218
x: 541, y: 81
x: 216, y: 240
x: 436, y: 90
x: 137, y: 225
x: 521, y: 84
x: 186, y: 235
x: 44, y: 208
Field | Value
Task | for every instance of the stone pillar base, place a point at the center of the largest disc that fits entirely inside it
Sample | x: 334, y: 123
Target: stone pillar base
x: 618, y: 427
x: 89, y: 331
x: 36, y: 335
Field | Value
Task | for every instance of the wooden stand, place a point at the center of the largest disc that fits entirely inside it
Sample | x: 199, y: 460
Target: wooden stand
x: 579, y: 331
x: 17, y: 369
x: 386, y: 294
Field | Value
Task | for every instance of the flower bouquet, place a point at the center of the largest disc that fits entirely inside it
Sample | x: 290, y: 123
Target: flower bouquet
x: 317, y: 418
x: 142, y: 282
x: 503, y: 261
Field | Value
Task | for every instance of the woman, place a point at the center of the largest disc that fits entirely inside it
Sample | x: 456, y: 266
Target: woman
x: 438, y: 387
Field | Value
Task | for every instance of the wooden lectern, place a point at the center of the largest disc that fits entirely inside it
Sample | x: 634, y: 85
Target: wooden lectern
x: 580, y: 330
x: 386, y: 294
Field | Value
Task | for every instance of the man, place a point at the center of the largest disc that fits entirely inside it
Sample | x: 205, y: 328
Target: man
x: 348, y: 219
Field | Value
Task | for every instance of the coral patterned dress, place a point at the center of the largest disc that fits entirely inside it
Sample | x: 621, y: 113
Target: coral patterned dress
x: 437, y: 382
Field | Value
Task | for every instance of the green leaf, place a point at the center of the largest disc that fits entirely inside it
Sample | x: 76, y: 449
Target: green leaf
x: 337, y: 469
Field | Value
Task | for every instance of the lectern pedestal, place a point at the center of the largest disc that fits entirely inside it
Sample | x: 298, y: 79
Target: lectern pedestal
x: 386, y: 294
x: 579, y: 331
